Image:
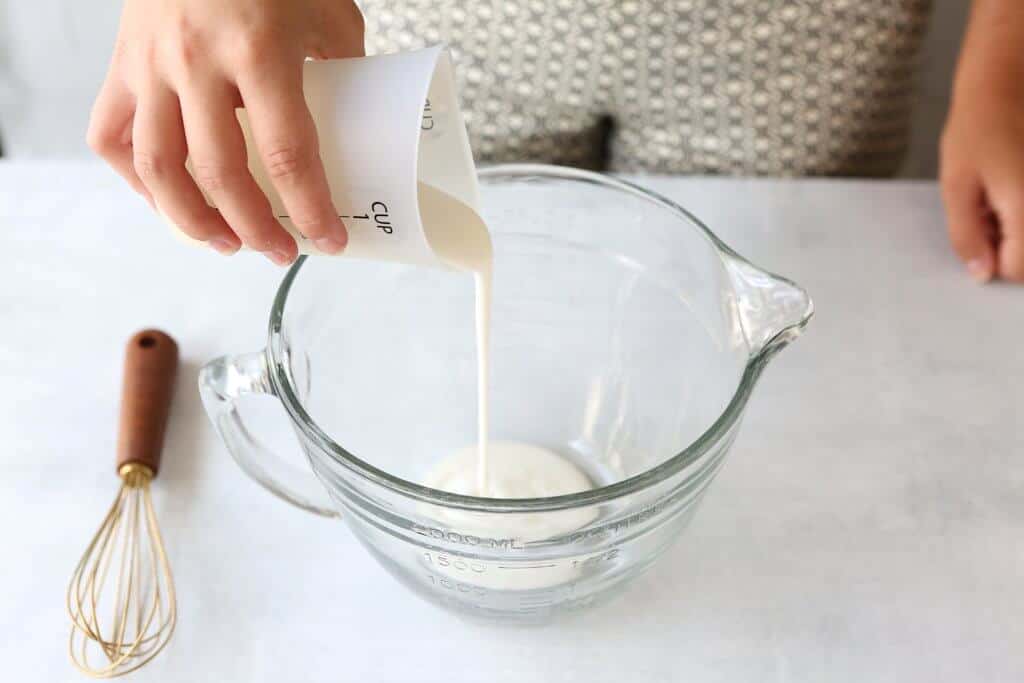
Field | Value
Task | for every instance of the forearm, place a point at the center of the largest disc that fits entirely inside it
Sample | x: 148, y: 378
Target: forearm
x: 992, y: 57
x: 983, y: 144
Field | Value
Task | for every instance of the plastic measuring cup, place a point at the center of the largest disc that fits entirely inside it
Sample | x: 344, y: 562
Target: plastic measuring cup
x: 396, y: 153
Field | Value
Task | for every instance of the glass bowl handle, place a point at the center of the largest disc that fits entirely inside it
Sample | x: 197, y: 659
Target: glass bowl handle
x: 222, y: 383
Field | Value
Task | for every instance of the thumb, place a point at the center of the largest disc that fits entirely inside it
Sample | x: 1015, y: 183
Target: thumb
x: 1008, y: 203
x: 339, y: 31
x: 970, y: 225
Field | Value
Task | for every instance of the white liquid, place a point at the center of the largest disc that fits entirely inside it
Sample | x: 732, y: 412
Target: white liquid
x: 493, y: 470
x: 482, y: 280
x: 465, y: 243
x: 517, y: 470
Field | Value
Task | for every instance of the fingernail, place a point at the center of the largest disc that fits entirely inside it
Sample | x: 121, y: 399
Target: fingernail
x: 980, y: 270
x: 329, y: 245
x: 223, y: 247
x: 278, y: 257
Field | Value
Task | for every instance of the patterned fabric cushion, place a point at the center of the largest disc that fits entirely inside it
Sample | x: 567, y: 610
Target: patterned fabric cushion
x: 751, y: 87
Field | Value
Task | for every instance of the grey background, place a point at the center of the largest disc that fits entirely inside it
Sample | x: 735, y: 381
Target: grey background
x: 53, y: 54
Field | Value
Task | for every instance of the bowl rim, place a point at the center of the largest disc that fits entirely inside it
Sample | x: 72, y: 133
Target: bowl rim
x: 714, y: 434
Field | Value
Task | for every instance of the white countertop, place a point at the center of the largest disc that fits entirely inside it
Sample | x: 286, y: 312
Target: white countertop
x: 869, y: 525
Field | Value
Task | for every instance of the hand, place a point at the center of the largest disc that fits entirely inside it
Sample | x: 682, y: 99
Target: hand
x: 179, y: 70
x: 982, y: 146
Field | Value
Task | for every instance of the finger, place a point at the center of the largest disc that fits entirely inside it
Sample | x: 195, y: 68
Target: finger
x: 1007, y: 201
x: 219, y: 162
x: 287, y: 143
x: 968, y: 224
x: 339, y: 34
x: 110, y: 131
x: 1011, y: 251
x: 159, y: 160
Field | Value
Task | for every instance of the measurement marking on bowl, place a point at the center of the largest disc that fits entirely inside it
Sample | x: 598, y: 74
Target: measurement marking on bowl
x: 454, y: 561
x: 468, y: 539
x: 612, y: 528
x: 599, y: 557
x: 526, y: 566
x: 456, y: 586
x: 544, y: 598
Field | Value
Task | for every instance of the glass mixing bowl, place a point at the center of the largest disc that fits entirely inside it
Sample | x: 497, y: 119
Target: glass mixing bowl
x: 626, y: 337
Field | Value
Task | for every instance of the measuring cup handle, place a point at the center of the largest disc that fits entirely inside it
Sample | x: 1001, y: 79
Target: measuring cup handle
x: 222, y: 383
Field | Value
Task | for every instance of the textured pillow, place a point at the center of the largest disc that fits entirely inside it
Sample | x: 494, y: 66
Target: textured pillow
x: 752, y: 87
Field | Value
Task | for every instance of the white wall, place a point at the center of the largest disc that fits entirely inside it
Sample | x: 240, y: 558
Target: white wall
x: 53, y: 54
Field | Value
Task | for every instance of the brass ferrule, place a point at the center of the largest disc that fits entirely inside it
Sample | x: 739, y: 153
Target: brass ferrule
x: 135, y: 474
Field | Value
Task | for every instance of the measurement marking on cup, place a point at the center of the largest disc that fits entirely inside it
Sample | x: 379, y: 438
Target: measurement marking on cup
x: 428, y: 118
x: 364, y: 217
x: 381, y: 218
x: 526, y: 566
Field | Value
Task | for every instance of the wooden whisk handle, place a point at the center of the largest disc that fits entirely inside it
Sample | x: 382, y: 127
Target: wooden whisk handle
x: 150, y: 365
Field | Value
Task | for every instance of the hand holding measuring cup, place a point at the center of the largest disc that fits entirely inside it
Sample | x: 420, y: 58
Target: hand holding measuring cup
x: 180, y: 69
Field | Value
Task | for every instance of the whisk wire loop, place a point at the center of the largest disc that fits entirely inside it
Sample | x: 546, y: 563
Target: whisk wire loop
x: 134, y: 623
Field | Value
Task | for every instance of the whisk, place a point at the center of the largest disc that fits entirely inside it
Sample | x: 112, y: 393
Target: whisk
x: 115, y: 632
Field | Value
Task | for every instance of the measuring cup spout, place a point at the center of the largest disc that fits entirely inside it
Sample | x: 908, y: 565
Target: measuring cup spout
x: 772, y: 310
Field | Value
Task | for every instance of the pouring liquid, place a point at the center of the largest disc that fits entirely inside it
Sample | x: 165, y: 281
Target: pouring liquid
x: 502, y: 469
